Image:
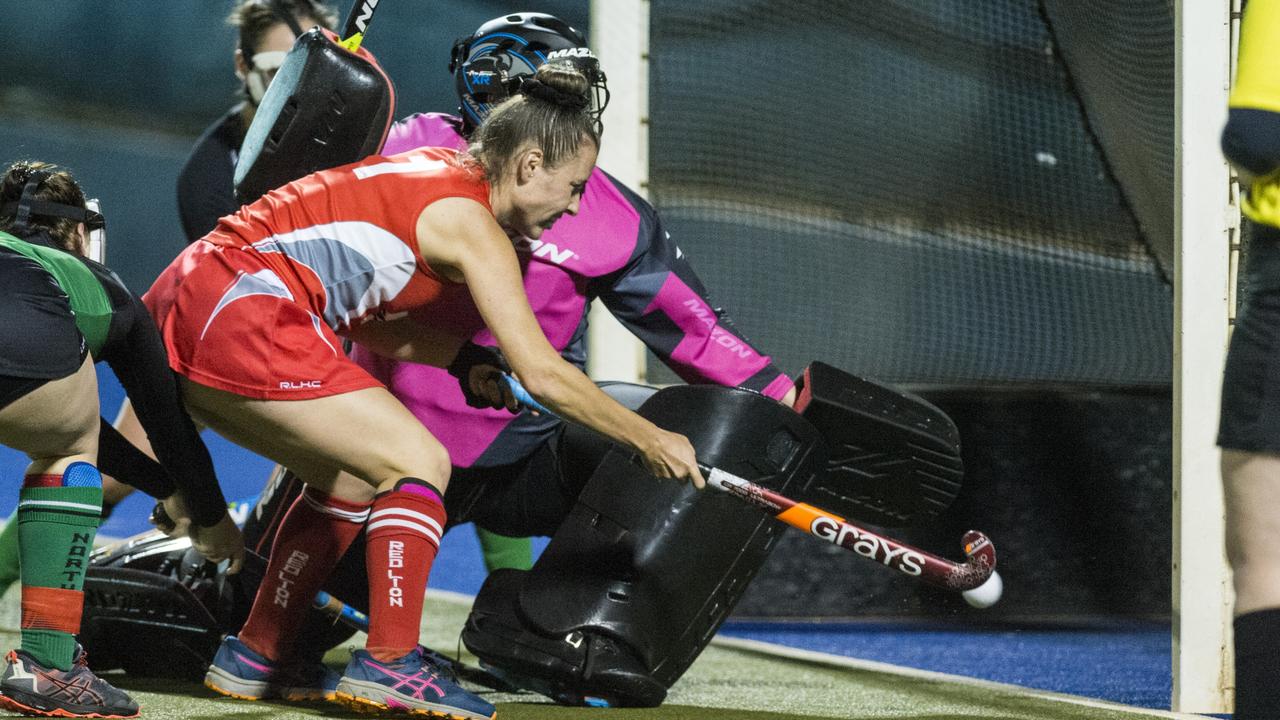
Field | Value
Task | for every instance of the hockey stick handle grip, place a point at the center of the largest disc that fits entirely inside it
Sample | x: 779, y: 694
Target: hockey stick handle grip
x: 523, y: 397
x: 938, y: 571
x: 341, y: 611
x: 927, y: 567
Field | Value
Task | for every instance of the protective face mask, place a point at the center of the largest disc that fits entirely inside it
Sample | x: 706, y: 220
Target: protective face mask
x: 265, y: 65
x: 97, y: 250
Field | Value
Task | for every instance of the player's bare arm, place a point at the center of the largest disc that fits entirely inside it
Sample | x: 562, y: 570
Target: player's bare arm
x: 486, y: 261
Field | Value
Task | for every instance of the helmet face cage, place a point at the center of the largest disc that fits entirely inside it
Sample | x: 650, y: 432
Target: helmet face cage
x: 489, y: 65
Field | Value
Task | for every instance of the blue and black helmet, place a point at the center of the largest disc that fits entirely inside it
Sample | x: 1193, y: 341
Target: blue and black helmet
x: 488, y: 65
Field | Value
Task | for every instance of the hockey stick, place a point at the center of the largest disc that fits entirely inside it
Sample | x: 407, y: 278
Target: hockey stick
x: 977, y: 571
x: 979, y: 552
x: 357, y: 24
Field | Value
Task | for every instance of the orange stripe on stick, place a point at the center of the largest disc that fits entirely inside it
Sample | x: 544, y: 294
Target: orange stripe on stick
x: 802, y: 515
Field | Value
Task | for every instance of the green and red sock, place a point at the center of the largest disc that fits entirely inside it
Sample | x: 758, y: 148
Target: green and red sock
x: 58, y: 517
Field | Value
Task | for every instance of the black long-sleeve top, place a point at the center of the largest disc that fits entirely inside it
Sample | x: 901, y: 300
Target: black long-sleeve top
x: 206, y: 182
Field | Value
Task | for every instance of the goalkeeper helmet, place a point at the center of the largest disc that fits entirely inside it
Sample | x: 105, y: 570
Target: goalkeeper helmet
x: 489, y: 65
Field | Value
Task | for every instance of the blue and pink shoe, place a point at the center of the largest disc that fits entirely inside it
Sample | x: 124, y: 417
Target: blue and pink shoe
x: 239, y: 672
x: 411, y: 685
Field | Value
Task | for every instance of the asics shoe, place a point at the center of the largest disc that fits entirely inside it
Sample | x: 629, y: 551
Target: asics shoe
x: 32, y: 689
x: 410, y: 684
x: 242, y: 673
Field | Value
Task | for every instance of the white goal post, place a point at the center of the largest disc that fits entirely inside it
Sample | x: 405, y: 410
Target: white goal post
x: 1206, y: 224
x: 620, y: 38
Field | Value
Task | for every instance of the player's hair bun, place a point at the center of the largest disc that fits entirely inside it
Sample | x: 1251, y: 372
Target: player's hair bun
x: 559, y: 84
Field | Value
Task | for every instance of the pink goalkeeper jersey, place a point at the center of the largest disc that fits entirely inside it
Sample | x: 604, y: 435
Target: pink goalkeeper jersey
x: 614, y: 249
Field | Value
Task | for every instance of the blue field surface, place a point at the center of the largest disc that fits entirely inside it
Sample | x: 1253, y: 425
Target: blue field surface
x: 1126, y: 663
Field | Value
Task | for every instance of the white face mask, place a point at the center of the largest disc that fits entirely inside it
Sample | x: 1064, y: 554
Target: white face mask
x: 97, y: 250
x: 265, y: 65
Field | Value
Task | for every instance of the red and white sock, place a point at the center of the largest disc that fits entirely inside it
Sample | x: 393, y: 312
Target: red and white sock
x: 313, y: 536
x: 403, y: 536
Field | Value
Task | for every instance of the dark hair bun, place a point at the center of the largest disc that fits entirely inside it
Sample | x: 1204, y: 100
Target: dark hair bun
x: 559, y: 84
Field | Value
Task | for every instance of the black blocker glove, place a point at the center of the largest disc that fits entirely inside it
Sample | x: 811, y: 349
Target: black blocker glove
x: 478, y: 369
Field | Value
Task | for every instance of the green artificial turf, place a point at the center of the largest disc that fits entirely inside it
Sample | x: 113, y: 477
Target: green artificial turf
x: 725, y: 682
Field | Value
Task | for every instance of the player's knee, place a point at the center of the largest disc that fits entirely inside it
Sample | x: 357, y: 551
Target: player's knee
x: 429, y: 464
x: 419, y: 487
x: 1251, y: 140
x: 436, y: 461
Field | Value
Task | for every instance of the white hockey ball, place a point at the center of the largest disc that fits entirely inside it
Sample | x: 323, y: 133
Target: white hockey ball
x: 986, y: 594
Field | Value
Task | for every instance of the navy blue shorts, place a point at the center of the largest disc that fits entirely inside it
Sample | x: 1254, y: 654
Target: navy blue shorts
x: 39, y: 340
x: 1251, y: 384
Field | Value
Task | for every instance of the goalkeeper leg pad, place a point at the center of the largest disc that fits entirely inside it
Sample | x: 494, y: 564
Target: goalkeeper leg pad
x: 642, y: 572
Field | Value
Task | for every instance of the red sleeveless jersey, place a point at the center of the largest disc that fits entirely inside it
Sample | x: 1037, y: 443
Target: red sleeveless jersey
x: 254, y: 307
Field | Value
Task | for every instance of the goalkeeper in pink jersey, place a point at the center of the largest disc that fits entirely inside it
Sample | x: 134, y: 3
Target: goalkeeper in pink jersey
x: 520, y: 474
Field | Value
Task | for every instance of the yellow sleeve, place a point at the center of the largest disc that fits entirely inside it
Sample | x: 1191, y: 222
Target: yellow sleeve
x: 1258, y: 68
x: 1262, y: 202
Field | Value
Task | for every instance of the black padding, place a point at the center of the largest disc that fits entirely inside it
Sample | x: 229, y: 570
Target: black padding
x: 655, y: 564
x: 158, y: 593
x: 895, y: 458
x: 568, y: 668
x: 326, y: 107
x: 147, y: 623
